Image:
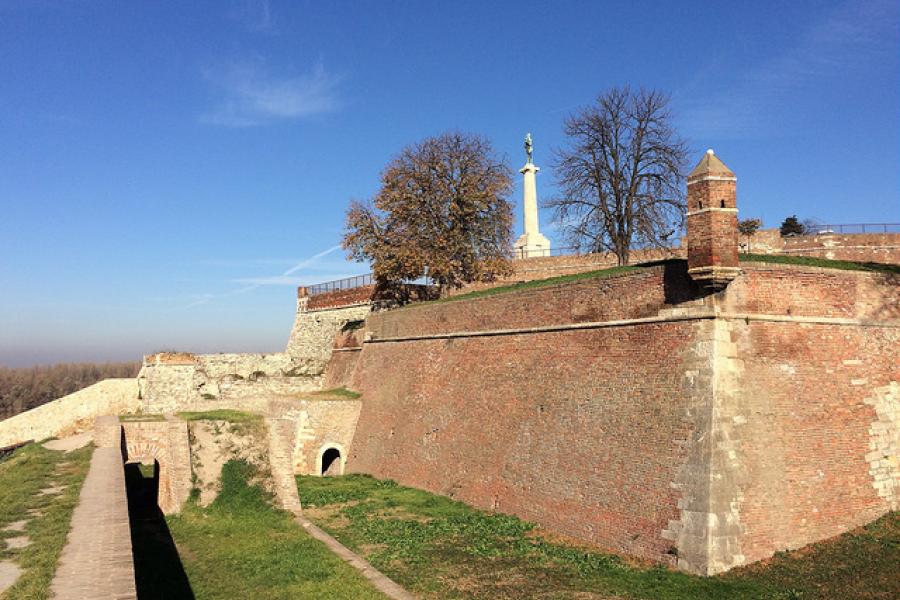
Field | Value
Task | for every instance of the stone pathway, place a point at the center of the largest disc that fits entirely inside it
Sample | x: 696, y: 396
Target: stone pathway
x: 73, y: 442
x: 97, y: 560
x: 9, y: 572
x: 17, y: 543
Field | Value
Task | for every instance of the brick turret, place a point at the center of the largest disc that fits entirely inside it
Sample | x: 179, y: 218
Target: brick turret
x: 712, y: 235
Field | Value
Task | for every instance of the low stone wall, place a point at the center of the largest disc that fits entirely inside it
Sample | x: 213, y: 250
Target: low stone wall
x: 858, y: 247
x: 220, y: 380
x: 110, y: 396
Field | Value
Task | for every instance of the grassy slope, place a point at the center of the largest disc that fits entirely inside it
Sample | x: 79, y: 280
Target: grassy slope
x: 439, y: 548
x: 615, y: 271
x: 242, y: 547
x: 811, y: 261
x: 22, y: 476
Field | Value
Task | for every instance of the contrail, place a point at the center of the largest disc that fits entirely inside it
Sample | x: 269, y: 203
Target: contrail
x: 205, y: 298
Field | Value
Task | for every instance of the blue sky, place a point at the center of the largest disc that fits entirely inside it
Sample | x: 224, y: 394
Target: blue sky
x: 170, y: 171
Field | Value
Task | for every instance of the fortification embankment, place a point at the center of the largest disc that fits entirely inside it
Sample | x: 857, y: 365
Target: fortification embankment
x: 636, y: 413
x: 819, y: 399
x: 110, y: 396
x: 581, y: 430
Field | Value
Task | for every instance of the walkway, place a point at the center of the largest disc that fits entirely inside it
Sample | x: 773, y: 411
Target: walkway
x: 97, y: 561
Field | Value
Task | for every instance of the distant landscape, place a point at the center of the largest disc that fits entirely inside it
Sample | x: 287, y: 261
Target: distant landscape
x: 24, y: 388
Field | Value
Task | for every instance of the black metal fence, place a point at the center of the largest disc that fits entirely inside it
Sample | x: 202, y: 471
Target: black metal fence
x: 348, y: 283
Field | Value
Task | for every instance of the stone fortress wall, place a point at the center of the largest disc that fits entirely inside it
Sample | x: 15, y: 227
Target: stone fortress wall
x: 75, y: 411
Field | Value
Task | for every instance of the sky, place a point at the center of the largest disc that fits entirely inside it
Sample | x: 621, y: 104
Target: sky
x: 171, y: 171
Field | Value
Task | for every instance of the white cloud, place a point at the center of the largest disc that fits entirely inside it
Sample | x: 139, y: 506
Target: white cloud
x: 252, y: 96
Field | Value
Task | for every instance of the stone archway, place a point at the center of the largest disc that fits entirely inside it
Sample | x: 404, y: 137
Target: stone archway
x: 331, y: 460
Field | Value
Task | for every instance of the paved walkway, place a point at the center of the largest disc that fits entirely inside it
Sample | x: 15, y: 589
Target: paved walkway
x: 97, y: 561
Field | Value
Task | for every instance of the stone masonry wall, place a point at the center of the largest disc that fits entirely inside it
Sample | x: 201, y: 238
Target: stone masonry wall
x: 860, y: 247
x: 109, y: 396
x: 312, y: 336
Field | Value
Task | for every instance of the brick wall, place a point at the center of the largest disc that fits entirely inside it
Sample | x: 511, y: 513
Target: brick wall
x: 582, y: 431
x: 727, y: 427
x: 810, y: 398
x: 594, y: 299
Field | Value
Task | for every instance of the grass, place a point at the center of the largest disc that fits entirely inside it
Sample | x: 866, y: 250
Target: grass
x: 242, y: 547
x: 28, y: 471
x: 534, y: 284
x: 142, y: 417
x: 340, y: 393
x: 222, y: 414
x: 439, y: 548
x: 811, y: 261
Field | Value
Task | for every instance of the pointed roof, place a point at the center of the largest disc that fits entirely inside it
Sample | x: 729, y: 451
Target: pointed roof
x: 710, y: 166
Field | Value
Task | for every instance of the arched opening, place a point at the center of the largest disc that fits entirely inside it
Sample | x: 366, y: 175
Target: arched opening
x: 331, y: 462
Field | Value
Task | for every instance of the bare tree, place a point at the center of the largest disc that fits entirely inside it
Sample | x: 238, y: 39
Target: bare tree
x: 621, y: 176
x: 441, y: 211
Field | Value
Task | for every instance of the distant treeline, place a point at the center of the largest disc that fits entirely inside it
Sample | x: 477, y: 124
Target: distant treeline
x: 25, y: 388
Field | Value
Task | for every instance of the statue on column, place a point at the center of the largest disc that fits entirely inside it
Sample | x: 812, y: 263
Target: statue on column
x: 529, y: 148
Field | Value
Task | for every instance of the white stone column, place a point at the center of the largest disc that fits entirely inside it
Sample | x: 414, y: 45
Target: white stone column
x: 531, y: 243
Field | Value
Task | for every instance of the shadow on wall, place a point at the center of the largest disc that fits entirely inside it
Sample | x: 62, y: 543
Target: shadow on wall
x: 158, y: 571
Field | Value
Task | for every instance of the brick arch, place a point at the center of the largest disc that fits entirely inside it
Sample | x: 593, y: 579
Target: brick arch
x: 165, y: 442
x: 142, y: 451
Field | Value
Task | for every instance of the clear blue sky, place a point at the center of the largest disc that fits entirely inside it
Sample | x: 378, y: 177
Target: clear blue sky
x: 170, y: 171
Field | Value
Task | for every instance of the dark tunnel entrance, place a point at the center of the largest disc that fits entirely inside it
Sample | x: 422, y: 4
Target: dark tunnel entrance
x: 331, y: 462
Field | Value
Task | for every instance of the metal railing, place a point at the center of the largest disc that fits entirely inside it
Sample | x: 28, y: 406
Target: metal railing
x: 348, y: 283
x: 820, y: 229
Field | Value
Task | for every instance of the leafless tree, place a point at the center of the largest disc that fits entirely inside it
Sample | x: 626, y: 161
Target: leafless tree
x: 621, y: 176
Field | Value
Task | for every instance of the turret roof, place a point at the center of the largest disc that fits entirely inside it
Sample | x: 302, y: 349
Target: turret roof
x: 710, y: 165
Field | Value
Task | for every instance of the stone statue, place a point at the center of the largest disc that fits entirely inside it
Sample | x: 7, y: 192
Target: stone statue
x: 529, y: 148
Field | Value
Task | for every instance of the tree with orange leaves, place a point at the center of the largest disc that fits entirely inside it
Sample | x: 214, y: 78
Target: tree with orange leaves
x: 441, y: 212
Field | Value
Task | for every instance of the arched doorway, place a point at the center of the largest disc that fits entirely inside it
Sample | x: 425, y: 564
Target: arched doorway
x: 331, y: 460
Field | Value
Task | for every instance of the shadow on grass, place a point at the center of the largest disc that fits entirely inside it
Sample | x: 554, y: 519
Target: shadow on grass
x: 158, y: 571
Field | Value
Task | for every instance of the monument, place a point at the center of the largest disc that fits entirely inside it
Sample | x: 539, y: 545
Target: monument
x: 531, y: 242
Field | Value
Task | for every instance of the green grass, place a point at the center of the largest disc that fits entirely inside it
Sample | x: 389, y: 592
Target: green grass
x: 439, y: 548
x: 142, y: 417
x: 340, y: 393
x: 242, y: 547
x: 811, y: 261
x: 29, y: 470
x: 222, y: 414
x: 534, y: 284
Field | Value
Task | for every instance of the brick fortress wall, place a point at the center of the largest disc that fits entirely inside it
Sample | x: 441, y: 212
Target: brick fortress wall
x: 782, y: 391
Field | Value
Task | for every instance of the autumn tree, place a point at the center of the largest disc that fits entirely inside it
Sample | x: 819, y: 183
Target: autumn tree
x: 621, y: 175
x: 441, y: 212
